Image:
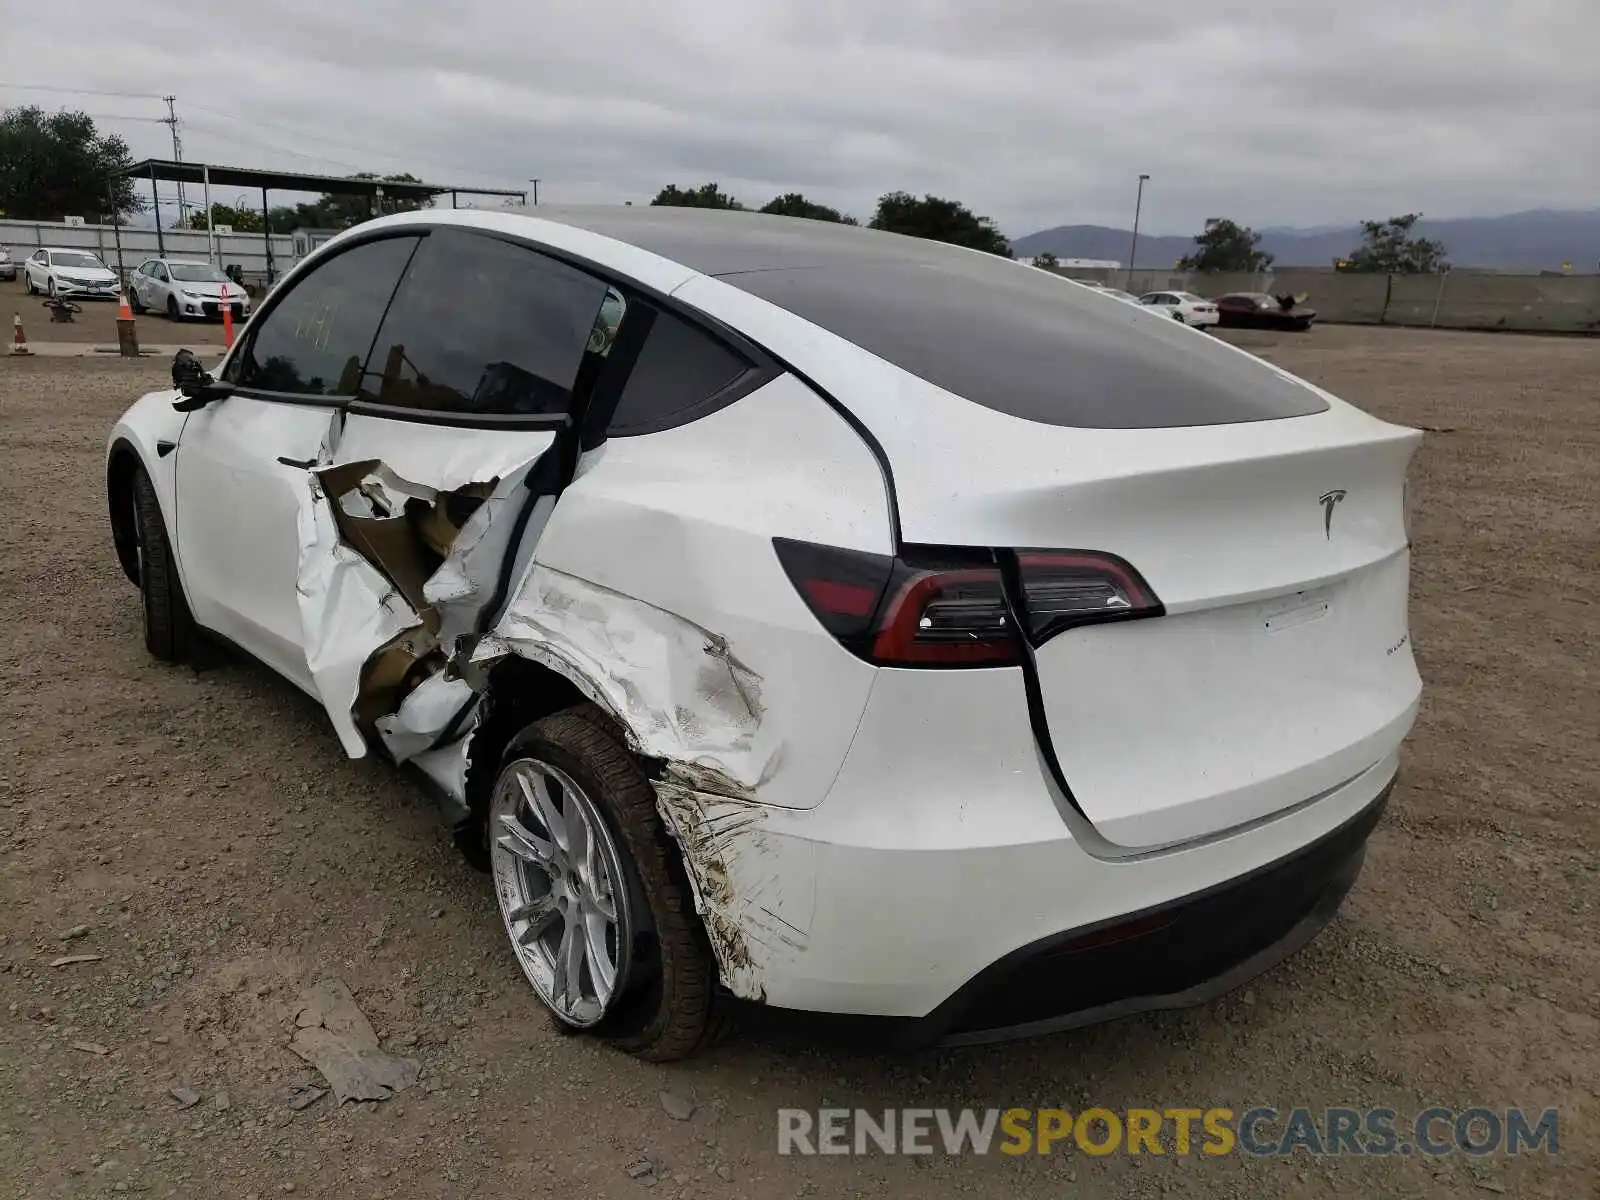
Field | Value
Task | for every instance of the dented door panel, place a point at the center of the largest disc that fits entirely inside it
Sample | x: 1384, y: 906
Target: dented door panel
x: 236, y: 520
x: 403, y: 530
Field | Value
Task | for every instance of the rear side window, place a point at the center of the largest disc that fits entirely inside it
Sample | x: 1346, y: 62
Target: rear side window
x: 482, y: 326
x: 678, y: 377
x: 315, y: 339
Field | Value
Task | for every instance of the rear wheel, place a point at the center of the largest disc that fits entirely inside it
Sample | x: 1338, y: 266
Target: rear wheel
x: 1178, y: 317
x: 591, y: 892
x: 168, y: 626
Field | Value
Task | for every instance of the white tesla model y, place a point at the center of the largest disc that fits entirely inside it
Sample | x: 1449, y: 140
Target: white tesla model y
x: 798, y: 615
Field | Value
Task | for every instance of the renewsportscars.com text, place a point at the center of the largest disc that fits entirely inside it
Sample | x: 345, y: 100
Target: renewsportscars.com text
x: 1259, y: 1131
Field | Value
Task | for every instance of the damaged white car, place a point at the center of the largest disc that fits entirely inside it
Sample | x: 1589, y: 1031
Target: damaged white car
x: 787, y: 613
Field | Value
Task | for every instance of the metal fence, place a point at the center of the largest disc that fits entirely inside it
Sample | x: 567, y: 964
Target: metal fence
x: 248, y: 250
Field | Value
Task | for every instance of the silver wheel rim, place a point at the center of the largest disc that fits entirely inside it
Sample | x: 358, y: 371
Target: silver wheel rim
x: 558, y: 876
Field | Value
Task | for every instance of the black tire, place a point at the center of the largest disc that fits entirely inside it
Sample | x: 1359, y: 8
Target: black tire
x: 50, y: 288
x: 670, y: 1010
x: 27, y: 284
x: 136, y: 304
x: 172, y: 309
x: 1178, y: 317
x: 168, y: 625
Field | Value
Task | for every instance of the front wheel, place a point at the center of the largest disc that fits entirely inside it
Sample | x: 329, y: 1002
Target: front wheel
x: 168, y: 625
x: 591, y: 892
x: 134, y: 302
x: 50, y: 288
x: 172, y: 309
x: 27, y: 283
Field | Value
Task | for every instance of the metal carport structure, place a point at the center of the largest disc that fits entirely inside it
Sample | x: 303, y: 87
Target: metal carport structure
x: 172, y: 171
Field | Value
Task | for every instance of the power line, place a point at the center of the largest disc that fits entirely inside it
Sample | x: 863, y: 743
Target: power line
x: 44, y: 87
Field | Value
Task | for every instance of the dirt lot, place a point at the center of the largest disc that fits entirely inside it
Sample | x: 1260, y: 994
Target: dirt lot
x: 223, y: 855
x: 97, y: 322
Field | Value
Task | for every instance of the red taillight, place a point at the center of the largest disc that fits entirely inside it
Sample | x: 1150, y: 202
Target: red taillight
x: 950, y: 608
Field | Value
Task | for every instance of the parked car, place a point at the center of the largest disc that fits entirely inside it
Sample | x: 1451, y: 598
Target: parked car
x: 1046, y: 706
x: 1258, y: 310
x: 58, y: 272
x: 1184, y: 307
x: 181, y: 288
x: 8, y: 266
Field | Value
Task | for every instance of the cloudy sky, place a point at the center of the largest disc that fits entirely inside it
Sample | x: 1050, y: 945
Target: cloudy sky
x: 1038, y: 113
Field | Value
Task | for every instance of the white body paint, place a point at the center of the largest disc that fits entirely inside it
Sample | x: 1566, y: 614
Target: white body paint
x: 860, y: 839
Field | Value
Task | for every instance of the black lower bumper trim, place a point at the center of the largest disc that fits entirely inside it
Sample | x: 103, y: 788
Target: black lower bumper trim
x: 1175, y: 955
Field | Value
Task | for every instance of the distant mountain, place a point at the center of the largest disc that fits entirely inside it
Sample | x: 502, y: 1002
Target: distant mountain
x: 1540, y: 239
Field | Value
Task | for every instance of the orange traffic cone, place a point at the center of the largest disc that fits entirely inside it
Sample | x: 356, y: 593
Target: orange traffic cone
x: 19, y: 340
x: 124, y: 313
x: 227, y: 317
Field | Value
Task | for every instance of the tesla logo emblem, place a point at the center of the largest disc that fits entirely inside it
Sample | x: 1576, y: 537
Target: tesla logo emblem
x: 1330, y: 501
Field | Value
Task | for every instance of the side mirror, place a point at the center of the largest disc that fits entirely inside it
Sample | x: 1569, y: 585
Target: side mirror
x: 195, y: 382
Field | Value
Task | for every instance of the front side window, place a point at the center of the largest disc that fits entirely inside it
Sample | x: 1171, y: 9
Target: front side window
x: 315, y: 339
x: 482, y: 326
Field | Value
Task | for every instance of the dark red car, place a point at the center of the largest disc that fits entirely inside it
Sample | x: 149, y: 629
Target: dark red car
x: 1258, y: 310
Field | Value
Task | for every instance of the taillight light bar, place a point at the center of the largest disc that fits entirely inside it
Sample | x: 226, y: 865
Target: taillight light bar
x: 950, y: 607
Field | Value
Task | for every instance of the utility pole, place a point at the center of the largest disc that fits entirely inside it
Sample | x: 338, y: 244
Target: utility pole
x: 535, y: 183
x: 1138, y: 203
x: 177, y: 153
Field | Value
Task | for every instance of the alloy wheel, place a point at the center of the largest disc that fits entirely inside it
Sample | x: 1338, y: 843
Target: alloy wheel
x: 558, y: 876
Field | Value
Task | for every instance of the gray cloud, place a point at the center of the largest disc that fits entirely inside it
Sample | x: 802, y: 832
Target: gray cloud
x: 1035, y: 114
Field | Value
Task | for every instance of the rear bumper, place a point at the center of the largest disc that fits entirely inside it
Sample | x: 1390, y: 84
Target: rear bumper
x: 1179, y: 954
x: 944, y: 858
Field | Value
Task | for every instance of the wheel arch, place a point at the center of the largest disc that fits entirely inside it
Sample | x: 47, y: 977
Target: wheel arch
x: 122, y: 464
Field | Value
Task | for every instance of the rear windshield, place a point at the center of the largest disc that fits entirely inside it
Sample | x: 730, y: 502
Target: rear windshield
x: 1014, y: 340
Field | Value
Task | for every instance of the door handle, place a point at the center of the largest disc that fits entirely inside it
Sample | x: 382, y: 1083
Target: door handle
x: 304, y: 464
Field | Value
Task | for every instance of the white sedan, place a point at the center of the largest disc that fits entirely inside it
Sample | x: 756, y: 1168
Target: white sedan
x: 1184, y: 307
x: 181, y: 288
x: 1075, y: 695
x: 58, y: 272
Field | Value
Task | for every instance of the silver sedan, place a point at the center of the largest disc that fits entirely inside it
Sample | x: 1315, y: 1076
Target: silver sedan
x: 183, y: 289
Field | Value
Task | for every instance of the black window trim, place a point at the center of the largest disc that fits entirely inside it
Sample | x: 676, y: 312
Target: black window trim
x: 764, y: 367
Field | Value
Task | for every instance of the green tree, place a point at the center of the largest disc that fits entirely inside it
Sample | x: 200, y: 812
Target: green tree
x: 793, y: 204
x: 1388, y: 246
x: 1047, y: 261
x: 243, y: 220
x: 341, y: 212
x: 1226, y: 246
x: 939, y: 219
x: 282, y: 218
x: 55, y: 165
x: 707, y: 195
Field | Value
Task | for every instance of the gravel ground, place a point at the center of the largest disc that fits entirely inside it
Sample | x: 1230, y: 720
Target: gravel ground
x: 203, y: 835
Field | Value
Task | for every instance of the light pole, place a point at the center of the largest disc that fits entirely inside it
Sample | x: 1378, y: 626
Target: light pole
x: 535, y: 183
x: 1138, y: 203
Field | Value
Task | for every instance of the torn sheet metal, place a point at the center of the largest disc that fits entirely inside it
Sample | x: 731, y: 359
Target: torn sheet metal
x: 348, y: 610
x: 391, y: 571
x: 425, y: 713
x: 683, y: 697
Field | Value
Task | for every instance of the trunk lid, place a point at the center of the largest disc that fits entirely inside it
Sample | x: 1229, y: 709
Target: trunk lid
x: 1281, y: 669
